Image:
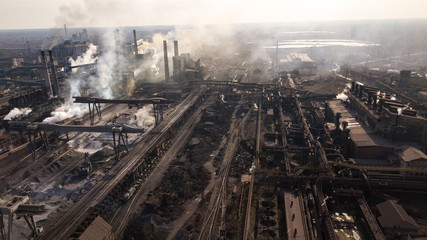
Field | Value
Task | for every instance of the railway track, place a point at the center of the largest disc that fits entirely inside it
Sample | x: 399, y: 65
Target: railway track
x: 70, y: 221
x: 123, y: 214
x: 219, y: 194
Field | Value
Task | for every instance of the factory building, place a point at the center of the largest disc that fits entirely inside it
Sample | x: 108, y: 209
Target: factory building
x: 295, y: 227
x: 413, y: 158
x: 298, y: 62
x: 365, y: 143
x: 387, y: 116
x: 186, y: 69
x: 394, y: 220
x: 70, y: 49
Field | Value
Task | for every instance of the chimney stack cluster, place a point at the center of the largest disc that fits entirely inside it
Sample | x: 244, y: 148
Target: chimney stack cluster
x: 378, y: 100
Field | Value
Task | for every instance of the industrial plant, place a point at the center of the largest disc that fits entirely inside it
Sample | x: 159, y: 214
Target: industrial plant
x: 145, y: 133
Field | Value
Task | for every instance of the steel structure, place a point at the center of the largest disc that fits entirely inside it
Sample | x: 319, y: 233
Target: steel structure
x: 119, y: 133
x: 91, y: 204
x: 95, y: 105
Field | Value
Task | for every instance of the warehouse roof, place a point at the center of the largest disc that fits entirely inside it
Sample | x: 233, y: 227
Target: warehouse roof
x: 410, y: 153
x: 361, y: 136
x: 394, y: 216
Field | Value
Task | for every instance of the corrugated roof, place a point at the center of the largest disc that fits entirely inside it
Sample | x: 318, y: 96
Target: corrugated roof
x: 410, y: 153
x: 98, y: 230
x: 394, y: 216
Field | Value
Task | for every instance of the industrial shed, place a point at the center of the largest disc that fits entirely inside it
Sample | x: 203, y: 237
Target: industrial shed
x: 414, y: 158
x: 365, y: 143
x: 395, y: 221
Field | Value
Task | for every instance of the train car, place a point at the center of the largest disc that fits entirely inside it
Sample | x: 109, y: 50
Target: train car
x: 129, y: 193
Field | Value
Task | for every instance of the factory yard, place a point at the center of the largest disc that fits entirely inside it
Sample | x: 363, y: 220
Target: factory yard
x: 249, y: 141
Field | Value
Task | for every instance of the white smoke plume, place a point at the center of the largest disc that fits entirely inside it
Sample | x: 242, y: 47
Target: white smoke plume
x: 151, y: 65
x: 143, y: 117
x: 343, y: 95
x: 65, y: 112
x: 86, y: 58
x: 109, y: 68
x: 16, y: 112
x: 69, y: 109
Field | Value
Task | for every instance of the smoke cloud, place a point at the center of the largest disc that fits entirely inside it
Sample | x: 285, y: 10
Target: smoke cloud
x: 88, y: 57
x: 110, y: 65
x: 64, y: 112
x: 17, y: 112
x: 343, y: 95
x: 143, y: 117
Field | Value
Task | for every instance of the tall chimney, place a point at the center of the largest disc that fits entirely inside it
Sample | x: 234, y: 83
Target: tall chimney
x: 175, y: 60
x: 47, y: 83
x: 165, y: 51
x: 175, y: 48
x: 135, y: 44
x: 65, y: 29
x: 54, y: 77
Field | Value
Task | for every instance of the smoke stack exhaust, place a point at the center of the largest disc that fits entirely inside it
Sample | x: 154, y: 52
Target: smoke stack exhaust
x: 135, y: 44
x: 54, y: 77
x: 165, y: 51
x: 47, y: 83
x: 175, y: 48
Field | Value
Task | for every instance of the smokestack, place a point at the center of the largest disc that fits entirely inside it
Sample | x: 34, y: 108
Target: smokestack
x: 65, y: 29
x: 47, y: 83
x: 54, y: 77
x: 165, y: 51
x: 175, y: 48
x: 175, y: 60
x: 135, y: 44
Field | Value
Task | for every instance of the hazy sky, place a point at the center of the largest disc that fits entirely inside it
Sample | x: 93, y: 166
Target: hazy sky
x: 101, y: 13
